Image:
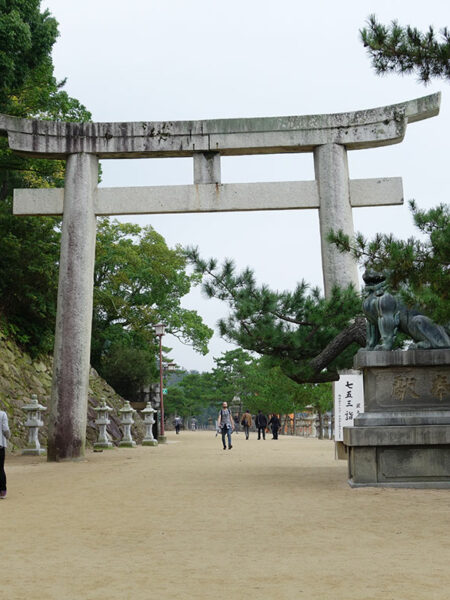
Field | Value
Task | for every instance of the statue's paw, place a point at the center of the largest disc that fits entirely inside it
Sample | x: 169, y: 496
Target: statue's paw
x: 383, y: 347
x: 423, y: 345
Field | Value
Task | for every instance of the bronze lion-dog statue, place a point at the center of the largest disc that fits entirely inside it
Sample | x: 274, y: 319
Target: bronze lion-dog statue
x: 386, y: 315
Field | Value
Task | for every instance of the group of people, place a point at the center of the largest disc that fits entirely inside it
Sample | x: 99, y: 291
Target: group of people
x: 178, y: 424
x: 226, y: 425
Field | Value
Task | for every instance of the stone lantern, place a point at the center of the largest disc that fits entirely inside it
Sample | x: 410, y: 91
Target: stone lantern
x: 311, y: 424
x: 149, y: 421
x: 102, y: 422
x: 33, y: 422
x: 235, y: 407
x: 126, y: 420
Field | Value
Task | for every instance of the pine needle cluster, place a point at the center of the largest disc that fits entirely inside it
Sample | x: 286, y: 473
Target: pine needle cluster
x: 406, y: 49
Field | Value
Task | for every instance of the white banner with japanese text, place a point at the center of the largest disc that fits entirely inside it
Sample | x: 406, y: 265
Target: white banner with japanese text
x: 348, y: 402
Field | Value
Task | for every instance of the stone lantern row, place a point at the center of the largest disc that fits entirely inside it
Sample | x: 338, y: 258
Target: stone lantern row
x: 126, y: 420
x: 34, y: 422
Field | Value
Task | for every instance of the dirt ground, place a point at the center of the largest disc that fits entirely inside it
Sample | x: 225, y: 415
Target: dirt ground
x: 267, y: 519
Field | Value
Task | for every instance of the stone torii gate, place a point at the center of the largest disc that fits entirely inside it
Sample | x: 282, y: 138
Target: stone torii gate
x: 328, y: 137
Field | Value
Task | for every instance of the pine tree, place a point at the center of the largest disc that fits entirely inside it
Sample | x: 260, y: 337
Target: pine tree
x: 406, y: 49
x: 307, y: 336
x: 417, y: 268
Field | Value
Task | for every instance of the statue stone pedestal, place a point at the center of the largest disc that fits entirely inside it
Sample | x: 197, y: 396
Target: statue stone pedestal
x: 403, y: 437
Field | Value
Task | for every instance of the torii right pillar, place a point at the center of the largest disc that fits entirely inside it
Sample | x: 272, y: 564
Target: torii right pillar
x: 331, y: 168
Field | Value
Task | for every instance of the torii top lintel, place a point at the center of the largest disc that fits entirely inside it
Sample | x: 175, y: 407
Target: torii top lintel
x: 269, y: 135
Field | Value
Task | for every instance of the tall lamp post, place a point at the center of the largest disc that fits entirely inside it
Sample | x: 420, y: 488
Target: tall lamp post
x: 159, y: 331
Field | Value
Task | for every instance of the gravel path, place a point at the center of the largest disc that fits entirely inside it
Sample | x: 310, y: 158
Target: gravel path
x: 187, y: 520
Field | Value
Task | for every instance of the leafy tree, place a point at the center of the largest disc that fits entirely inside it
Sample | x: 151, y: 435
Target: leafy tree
x: 138, y: 282
x: 28, y: 280
x: 192, y: 395
x: 307, y: 336
x: 29, y: 247
x: 230, y: 375
x: 406, y: 49
x: 417, y: 268
x: 128, y: 369
x: 26, y: 40
x: 270, y: 390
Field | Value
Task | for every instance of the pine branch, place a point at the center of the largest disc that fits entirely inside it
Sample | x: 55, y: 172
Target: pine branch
x: 406, y: 49
x: 355, y: 332
x: 290, y: 320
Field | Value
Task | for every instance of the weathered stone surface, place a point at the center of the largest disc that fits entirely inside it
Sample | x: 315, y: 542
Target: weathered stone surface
x: 404, y: 388
x: 34, y: 422
x: 407, y: 358
x: 331, y: 167
x: 207, y: 167
x: 362, y: 465
x: 404, y: 417
x: 102, y: 421
x: 423, y: 464
x: 282, y: 195
x: 417, y: 467
x: 68, y: 408
x: 127, y: 420
x: 359, y: 129
x: 401, y: 435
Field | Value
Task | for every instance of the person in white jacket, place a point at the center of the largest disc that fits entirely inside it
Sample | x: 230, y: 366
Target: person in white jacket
x: 4, y: 437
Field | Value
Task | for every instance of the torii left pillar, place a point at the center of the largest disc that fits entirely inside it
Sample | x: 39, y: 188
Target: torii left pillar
x: 67, y: 425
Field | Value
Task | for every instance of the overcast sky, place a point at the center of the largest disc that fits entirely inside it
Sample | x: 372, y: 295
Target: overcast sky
x: 156, y: 60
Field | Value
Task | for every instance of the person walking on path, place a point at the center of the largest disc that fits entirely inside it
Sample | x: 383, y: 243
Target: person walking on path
x: 246, y: 423
x: 226, y: 424
x: 261, y: 424
x: 275, y: 423
x: 177, y: 423
x: 4, y: 437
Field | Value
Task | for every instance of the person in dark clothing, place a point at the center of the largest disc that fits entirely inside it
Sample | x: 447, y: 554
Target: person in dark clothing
x: 261, y: 424
x: 275, y: 423
x: 177, y: 422
x: 4, y: 437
